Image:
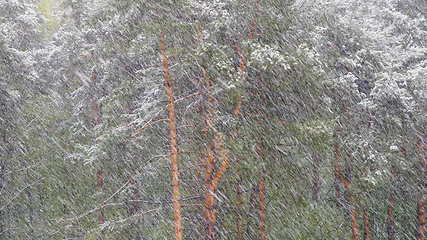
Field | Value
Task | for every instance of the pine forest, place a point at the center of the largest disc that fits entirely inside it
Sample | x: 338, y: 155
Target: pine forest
x: 213, y: 119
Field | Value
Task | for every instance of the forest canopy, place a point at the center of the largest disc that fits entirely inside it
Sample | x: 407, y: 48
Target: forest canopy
x: 218, y: 119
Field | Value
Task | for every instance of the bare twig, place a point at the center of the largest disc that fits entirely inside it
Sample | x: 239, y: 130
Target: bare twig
x: 148, y: 124
x: 115, y: 193
x: 187, y: 97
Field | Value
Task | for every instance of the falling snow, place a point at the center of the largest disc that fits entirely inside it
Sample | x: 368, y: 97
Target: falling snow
x: 218, y: 119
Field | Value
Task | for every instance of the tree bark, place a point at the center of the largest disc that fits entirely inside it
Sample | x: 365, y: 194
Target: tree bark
x: 100, y: 186
x: 253, y: 31
x: 236, y: 114
x: 391, y: 225
x: 209, y: 203
x: 346, y: 183
x: 367, y: 233
x: 173, y: 141
x: 212, y: 179
x: 353, y: 213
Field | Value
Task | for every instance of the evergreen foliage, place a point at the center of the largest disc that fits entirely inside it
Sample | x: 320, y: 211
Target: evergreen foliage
x: 260, y: 119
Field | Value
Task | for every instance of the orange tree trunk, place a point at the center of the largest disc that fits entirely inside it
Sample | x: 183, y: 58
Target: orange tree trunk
x: 346, y: 183
x: 100, y: 185
x: 212, y: 179
x: 236, y: 114
x: 391, y: 225
x: 353, y: 213
x: 367, y: 233
x: 209, y: 203
x: 173, y: 140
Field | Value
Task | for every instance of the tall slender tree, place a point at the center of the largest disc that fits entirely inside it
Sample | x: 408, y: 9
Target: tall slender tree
x: 173, y: 138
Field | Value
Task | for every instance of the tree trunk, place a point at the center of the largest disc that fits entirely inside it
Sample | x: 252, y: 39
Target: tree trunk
x: 236, y: 114
x: 346, y: 183
x: 173, y: 141
x: 253, y: 31
x: 367, y: 233
x: 212, y: 152
x: 391, y: 225
x: 349, y: 199
x: 353, y: 213
x: 209, y: 203
x: 354, y: 225
x: 212, y: 179
x: 100, y: 186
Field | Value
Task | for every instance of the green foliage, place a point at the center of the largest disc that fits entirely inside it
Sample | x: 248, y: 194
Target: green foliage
x: 294, y: 73
x: 51, y: 24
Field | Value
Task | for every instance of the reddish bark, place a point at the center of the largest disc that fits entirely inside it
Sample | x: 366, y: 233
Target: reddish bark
x: 354, y: 225
x: 173, y: 140
x: 391, y: 225
x: 353, y: 213
x: 212, y: 179
x: 100, y: 186
x: 99, y: 180
x: 367, y: 233
x: 94, y: 105
x: 209, y: 213
x: 345, y: 181
x: 253, y: 31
